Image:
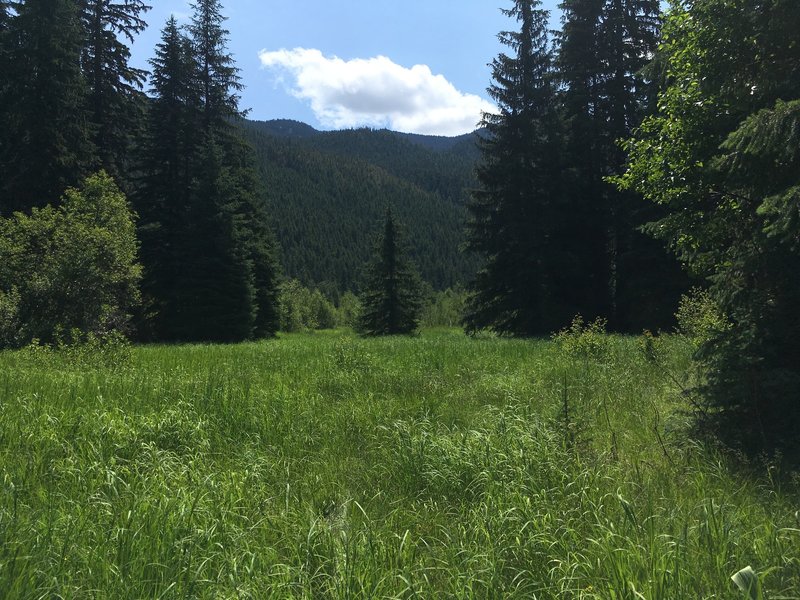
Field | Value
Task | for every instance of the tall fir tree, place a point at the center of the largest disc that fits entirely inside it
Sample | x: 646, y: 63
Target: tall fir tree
x: 6, y: 17
x: 5, y: 14
x: 115, y: 97
x: 211, y: 255
x: 603, y: 49
x: 218, y: 76
x: 391, y: 302
x: 6, y: 46
x: 227, y: 196
x: 645, y: 282
x: 580, y: 66
x: 216, y: 285
x: 48, y: 122
x: 258, y: 238
x: 515, y: 213
x: 168, y: 158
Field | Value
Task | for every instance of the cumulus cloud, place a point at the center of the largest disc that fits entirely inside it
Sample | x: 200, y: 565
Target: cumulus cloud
x: 375, y: 92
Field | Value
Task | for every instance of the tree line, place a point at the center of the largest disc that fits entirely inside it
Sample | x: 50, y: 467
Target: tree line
x: 710, y: 108
x: 71, y: 105
x: 558, y: 239
x: 324, y: 193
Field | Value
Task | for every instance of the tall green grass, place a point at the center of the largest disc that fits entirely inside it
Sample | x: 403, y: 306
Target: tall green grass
x: 327, y: 466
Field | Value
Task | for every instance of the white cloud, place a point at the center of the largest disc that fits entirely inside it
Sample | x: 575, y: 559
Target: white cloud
x: 376, y: 92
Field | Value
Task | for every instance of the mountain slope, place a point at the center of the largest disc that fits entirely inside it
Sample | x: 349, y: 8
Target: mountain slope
x: 442, y: 165
x: 327, y: 192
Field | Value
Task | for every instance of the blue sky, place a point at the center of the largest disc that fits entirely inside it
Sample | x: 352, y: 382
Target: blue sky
x: 409, y: 65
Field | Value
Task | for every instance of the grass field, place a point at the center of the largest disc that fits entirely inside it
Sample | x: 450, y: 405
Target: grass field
x: 327, y: 466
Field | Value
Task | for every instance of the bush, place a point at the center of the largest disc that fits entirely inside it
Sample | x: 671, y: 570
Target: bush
x: 9, y: 318
x: 302, y: 309
x: 348, y: 310
x: 80, y: 350
x: 582, y: 340
x: 445, y: 309
x: 72, y: 267
x: 700, y: 317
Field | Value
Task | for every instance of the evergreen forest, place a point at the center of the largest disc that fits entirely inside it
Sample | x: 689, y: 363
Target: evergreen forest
x: 326, y: 189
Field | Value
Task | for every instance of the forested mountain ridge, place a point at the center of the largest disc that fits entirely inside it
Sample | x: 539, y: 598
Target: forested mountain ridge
x: 327, y: 192
x: 443, y: 165
x: 297, y: 129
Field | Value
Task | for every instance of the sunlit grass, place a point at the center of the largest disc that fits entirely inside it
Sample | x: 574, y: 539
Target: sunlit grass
x: 327, y: 466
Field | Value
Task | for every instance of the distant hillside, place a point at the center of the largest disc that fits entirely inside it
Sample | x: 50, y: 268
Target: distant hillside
x: 282, y: 128
x: 297, y: 129
x: 447, y: 173
x: 328, y: 190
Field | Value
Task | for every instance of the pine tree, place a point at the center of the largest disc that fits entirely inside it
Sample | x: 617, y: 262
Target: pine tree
x: 6, y: 46
x: 5, y: 36
x: 212, y: 273
x: 227, y: 288
x: 168, y: 158
x: 643, y: 279
x: 721, y: 156
x: 48, y: 123
x: 218, y: 76
x: 391, y: 301
x: 261, y: 247
x: 115, y: 99
x: 515, y: 214
x: 5, y: 14
x: 227, y: 197
x: 216, y: 285
x: 603, y: 49
x: 580, y: 69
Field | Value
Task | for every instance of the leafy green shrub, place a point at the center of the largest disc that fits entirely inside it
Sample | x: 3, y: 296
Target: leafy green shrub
x: 83, y: 350
x: 348, y: 310
x: 445, y: 309
x: 107, y: 349
x: 302, y: 309
x: 648, y: 346
x: 700, y: 317
x: 72, y: 267
x: 9, y: 317
x: 584, y: 340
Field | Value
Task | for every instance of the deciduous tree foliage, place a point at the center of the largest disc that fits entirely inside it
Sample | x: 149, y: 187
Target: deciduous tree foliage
x: 391, y: 301
x: 721, y: 157
x: 303, y: 309
x: 69, y: 267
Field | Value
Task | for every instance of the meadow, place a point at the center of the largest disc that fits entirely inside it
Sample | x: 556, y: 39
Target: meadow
x: 328, y: 466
